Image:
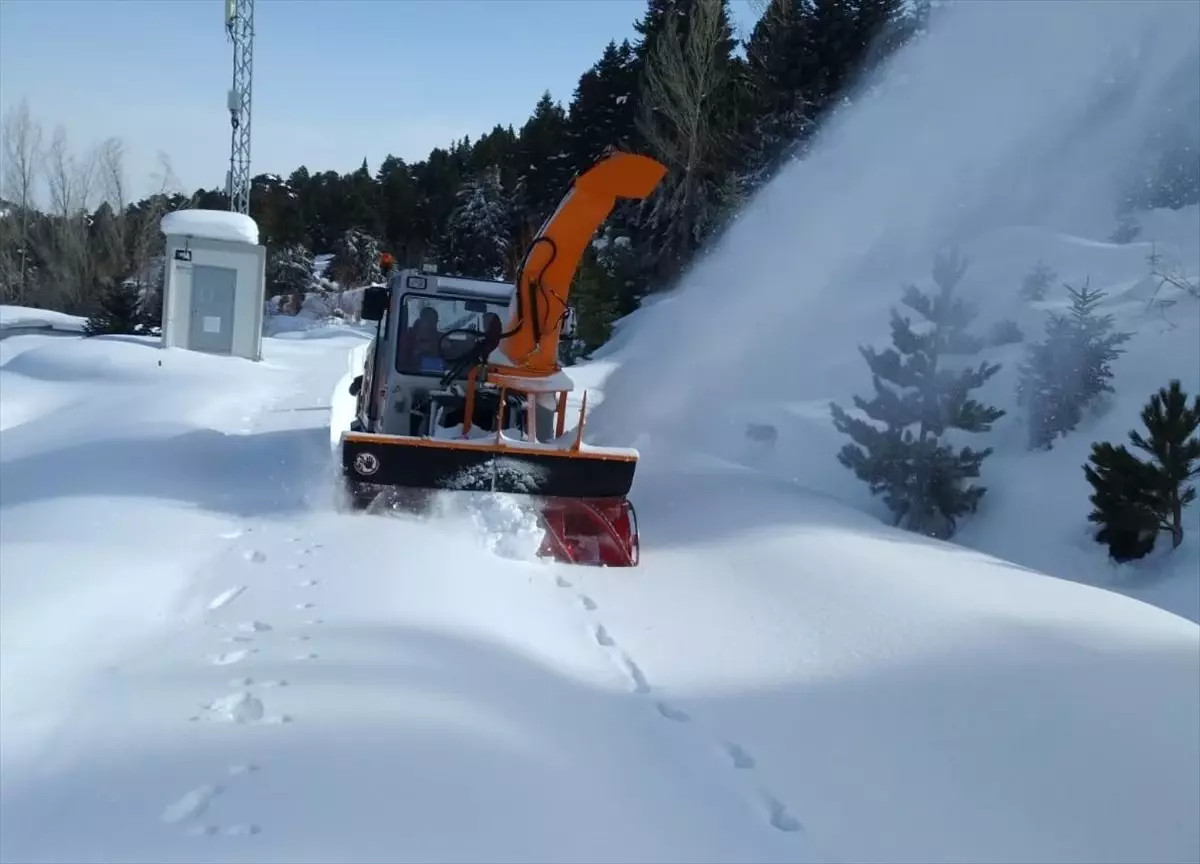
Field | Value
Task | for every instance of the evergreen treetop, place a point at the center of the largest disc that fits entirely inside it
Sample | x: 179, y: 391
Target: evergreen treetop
x: 118, y: 311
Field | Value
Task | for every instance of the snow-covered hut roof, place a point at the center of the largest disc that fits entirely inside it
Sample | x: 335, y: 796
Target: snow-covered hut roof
x: 211, y: 225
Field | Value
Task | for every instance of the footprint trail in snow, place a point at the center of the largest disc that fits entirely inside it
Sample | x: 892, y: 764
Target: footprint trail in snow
x: 225, y: 597
x: 241, y: 707
x: 775, y: 813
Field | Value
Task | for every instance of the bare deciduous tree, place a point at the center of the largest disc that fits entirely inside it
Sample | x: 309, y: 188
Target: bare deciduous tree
x: 685, y: 76
x: 110, y: 169
x: 64, y: 253
x: 69, y: 182
x: 147, y: 243
x: 22, y: 151
x: 110, y: 230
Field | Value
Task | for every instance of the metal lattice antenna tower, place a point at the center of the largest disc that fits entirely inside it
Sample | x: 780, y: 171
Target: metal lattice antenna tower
x: 239, y: 24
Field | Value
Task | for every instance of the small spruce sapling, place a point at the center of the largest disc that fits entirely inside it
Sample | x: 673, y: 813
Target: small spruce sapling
x: 1070, y: 369
x: 150, y: 310
x: 118, y: 311
x: 924, y: 482
x: 356, y: 259
x: 289, y: 270
x: 477, y: 230
x: 1037, y: 283
x: 1134, y: 499
x: 1127, y: 229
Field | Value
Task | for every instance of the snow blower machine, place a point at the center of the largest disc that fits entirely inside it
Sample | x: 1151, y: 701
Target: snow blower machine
x: 461, y: 389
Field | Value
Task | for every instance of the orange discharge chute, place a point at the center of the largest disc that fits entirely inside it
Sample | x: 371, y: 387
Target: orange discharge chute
x: 544, y: 283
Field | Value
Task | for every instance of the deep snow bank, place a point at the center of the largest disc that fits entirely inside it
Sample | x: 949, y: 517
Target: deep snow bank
x: 242, y: 674
x: 119, y: 462
x: 24, y: 318
x: 910, y: 701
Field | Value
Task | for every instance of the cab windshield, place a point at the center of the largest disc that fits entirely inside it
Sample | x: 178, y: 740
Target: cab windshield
x: 426, y: 318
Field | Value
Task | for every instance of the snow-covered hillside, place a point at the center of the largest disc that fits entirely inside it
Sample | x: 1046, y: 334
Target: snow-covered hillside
x: 1015, y: 163
x: 200, y: 659
x: 1035, y: 511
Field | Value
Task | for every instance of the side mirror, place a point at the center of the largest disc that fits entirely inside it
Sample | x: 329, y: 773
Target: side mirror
x: 356, y: 385
x: 374, y: 303
x: 568, y: 323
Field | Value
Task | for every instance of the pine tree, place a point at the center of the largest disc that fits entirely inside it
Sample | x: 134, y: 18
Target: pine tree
x: 360, y: 208
x: 923, y: 481
x: 150, y: 307
x: 275, y: 207
x: 398, y: 200
x: 659, y: 15
x: 1121, y: 501
x: 1070, y: 370
x: 289, y: 271
x: 603, y: 114
x: 477, y: 232
x: 602, y: 110
x: 617, y: 257
x: 881, y: 27
x: 686, y: 118
x: 1127, y: 228
x: 775, y: 90
x: 544, y: 165
x: 356, y: 259
x: 1134, y: 499
x: 1035, y: 285
x: 117, y: 311
x: 1176, y: 453
x: 801, y: 58
x: 595, y: 299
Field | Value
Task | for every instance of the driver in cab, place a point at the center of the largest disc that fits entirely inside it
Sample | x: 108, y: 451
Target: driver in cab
x: 420, y: 348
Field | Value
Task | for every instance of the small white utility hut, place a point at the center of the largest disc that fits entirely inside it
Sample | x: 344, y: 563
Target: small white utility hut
x: 215, y: 283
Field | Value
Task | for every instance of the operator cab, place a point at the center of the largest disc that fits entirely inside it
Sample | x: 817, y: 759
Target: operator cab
x: 426, y: 324
x: 435, y: 331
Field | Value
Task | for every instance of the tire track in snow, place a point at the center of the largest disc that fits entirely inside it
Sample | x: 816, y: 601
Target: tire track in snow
x: 774, y: 811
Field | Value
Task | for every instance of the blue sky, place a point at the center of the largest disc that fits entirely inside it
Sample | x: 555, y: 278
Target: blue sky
x: 334, y: 80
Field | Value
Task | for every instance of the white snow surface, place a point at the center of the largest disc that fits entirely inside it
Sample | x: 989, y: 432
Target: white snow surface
x: 211, y: 225
x: 25, y: 318
x: 201, y: 660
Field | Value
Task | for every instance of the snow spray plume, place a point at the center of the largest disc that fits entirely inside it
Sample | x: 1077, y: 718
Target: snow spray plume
x: 1004, y: 113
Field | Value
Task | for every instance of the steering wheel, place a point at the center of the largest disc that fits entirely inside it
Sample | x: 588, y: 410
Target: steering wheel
x: 473, y: 354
